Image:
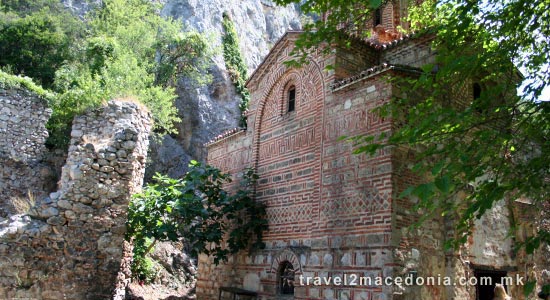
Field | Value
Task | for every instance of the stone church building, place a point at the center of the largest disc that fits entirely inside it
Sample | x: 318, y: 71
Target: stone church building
x: 334, y: 214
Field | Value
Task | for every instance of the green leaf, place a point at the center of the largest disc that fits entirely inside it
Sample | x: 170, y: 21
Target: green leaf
x: 443, y: 183
x: 438, y: 167
x: 529, y: 287
x: 375, y: 3
x: 407, y: 192
x: 173, y: 208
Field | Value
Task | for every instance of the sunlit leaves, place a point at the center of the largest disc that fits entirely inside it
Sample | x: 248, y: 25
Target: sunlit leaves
x: 198, y: 209
x: 234, y: 62
x: 470, y: 152
x: 35, y: 38
x: 113, y: 52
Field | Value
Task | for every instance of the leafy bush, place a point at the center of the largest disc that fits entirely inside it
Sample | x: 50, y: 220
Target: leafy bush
x: 27, y: 7
x: 16, y: 81
x: 196, y: 207
x: 38, y: 43
x: 119, y: 52
x: 128, y: 52
x: 143, y: 267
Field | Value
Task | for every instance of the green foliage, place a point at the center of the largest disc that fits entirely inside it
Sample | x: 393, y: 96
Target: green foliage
x: 492, y: 146
x: 127, y: 53
x: 480, y: 151
x: 37, y: 42
x: 143, y: 267
x: 345, y: 18
x: 235, y: 64
x: 186, y: 53
x: 8, y: 81
x: 198, y: 209
x: 119, y: 52
x: 26, y: 7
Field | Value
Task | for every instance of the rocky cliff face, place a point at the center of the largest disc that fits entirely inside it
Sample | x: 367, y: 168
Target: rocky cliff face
x: 208, y: 111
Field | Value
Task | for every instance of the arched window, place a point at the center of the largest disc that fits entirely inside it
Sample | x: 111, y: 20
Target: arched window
x: 285, y: 278
x: 477, y: 90
x: 291, y: 99
x: 377, y: 17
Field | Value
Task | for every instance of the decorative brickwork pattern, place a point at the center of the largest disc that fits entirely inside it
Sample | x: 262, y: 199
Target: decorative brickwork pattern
x: 328, y: 210
x: 332, y: 213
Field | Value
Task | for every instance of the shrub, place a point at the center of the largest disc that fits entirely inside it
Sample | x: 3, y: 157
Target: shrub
x: 197, y: 207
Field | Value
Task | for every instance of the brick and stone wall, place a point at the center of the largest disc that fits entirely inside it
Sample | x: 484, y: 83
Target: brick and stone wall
x: 71, y: 245
x: 347, y: 63
x: 332, y: 213
x: 329, y: 211
x: 413, y: 52
x: 489, y: 248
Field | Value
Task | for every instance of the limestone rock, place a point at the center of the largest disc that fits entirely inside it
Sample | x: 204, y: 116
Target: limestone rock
x: 210, y: 110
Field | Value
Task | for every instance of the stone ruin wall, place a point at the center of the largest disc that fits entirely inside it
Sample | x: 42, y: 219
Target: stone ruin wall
x: 70, y: 245
x: 23, y: 117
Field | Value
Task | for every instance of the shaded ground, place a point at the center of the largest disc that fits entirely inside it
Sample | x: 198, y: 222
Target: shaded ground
x: 175, y: 279
x: 136, y: 291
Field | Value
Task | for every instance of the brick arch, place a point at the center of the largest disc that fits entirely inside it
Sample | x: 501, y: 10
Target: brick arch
x: 273, y: 101
x: 286, y: 255
x: 278, y: 78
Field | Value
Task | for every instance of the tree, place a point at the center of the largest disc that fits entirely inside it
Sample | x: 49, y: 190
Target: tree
x: 197, y: 208
x: 127, y: 53
x: 494, y: 147
x: 35, y: 38
x: 113, y: 52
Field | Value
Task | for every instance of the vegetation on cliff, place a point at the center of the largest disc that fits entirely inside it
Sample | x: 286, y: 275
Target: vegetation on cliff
x: 234, y: 61
x: 115, y: 52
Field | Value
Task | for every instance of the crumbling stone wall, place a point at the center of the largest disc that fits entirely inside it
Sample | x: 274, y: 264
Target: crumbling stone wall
x: 71, y: 244
x: 23, y: 117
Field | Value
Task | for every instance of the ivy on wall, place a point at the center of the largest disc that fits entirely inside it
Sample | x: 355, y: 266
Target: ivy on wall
x: 234, y: 62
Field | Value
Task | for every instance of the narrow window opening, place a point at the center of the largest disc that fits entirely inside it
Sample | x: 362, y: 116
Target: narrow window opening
x: 377, y: 17
x: 286, y: 278
x: 291, y: 99
x: 477, y: 91
x: 480, y: 106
